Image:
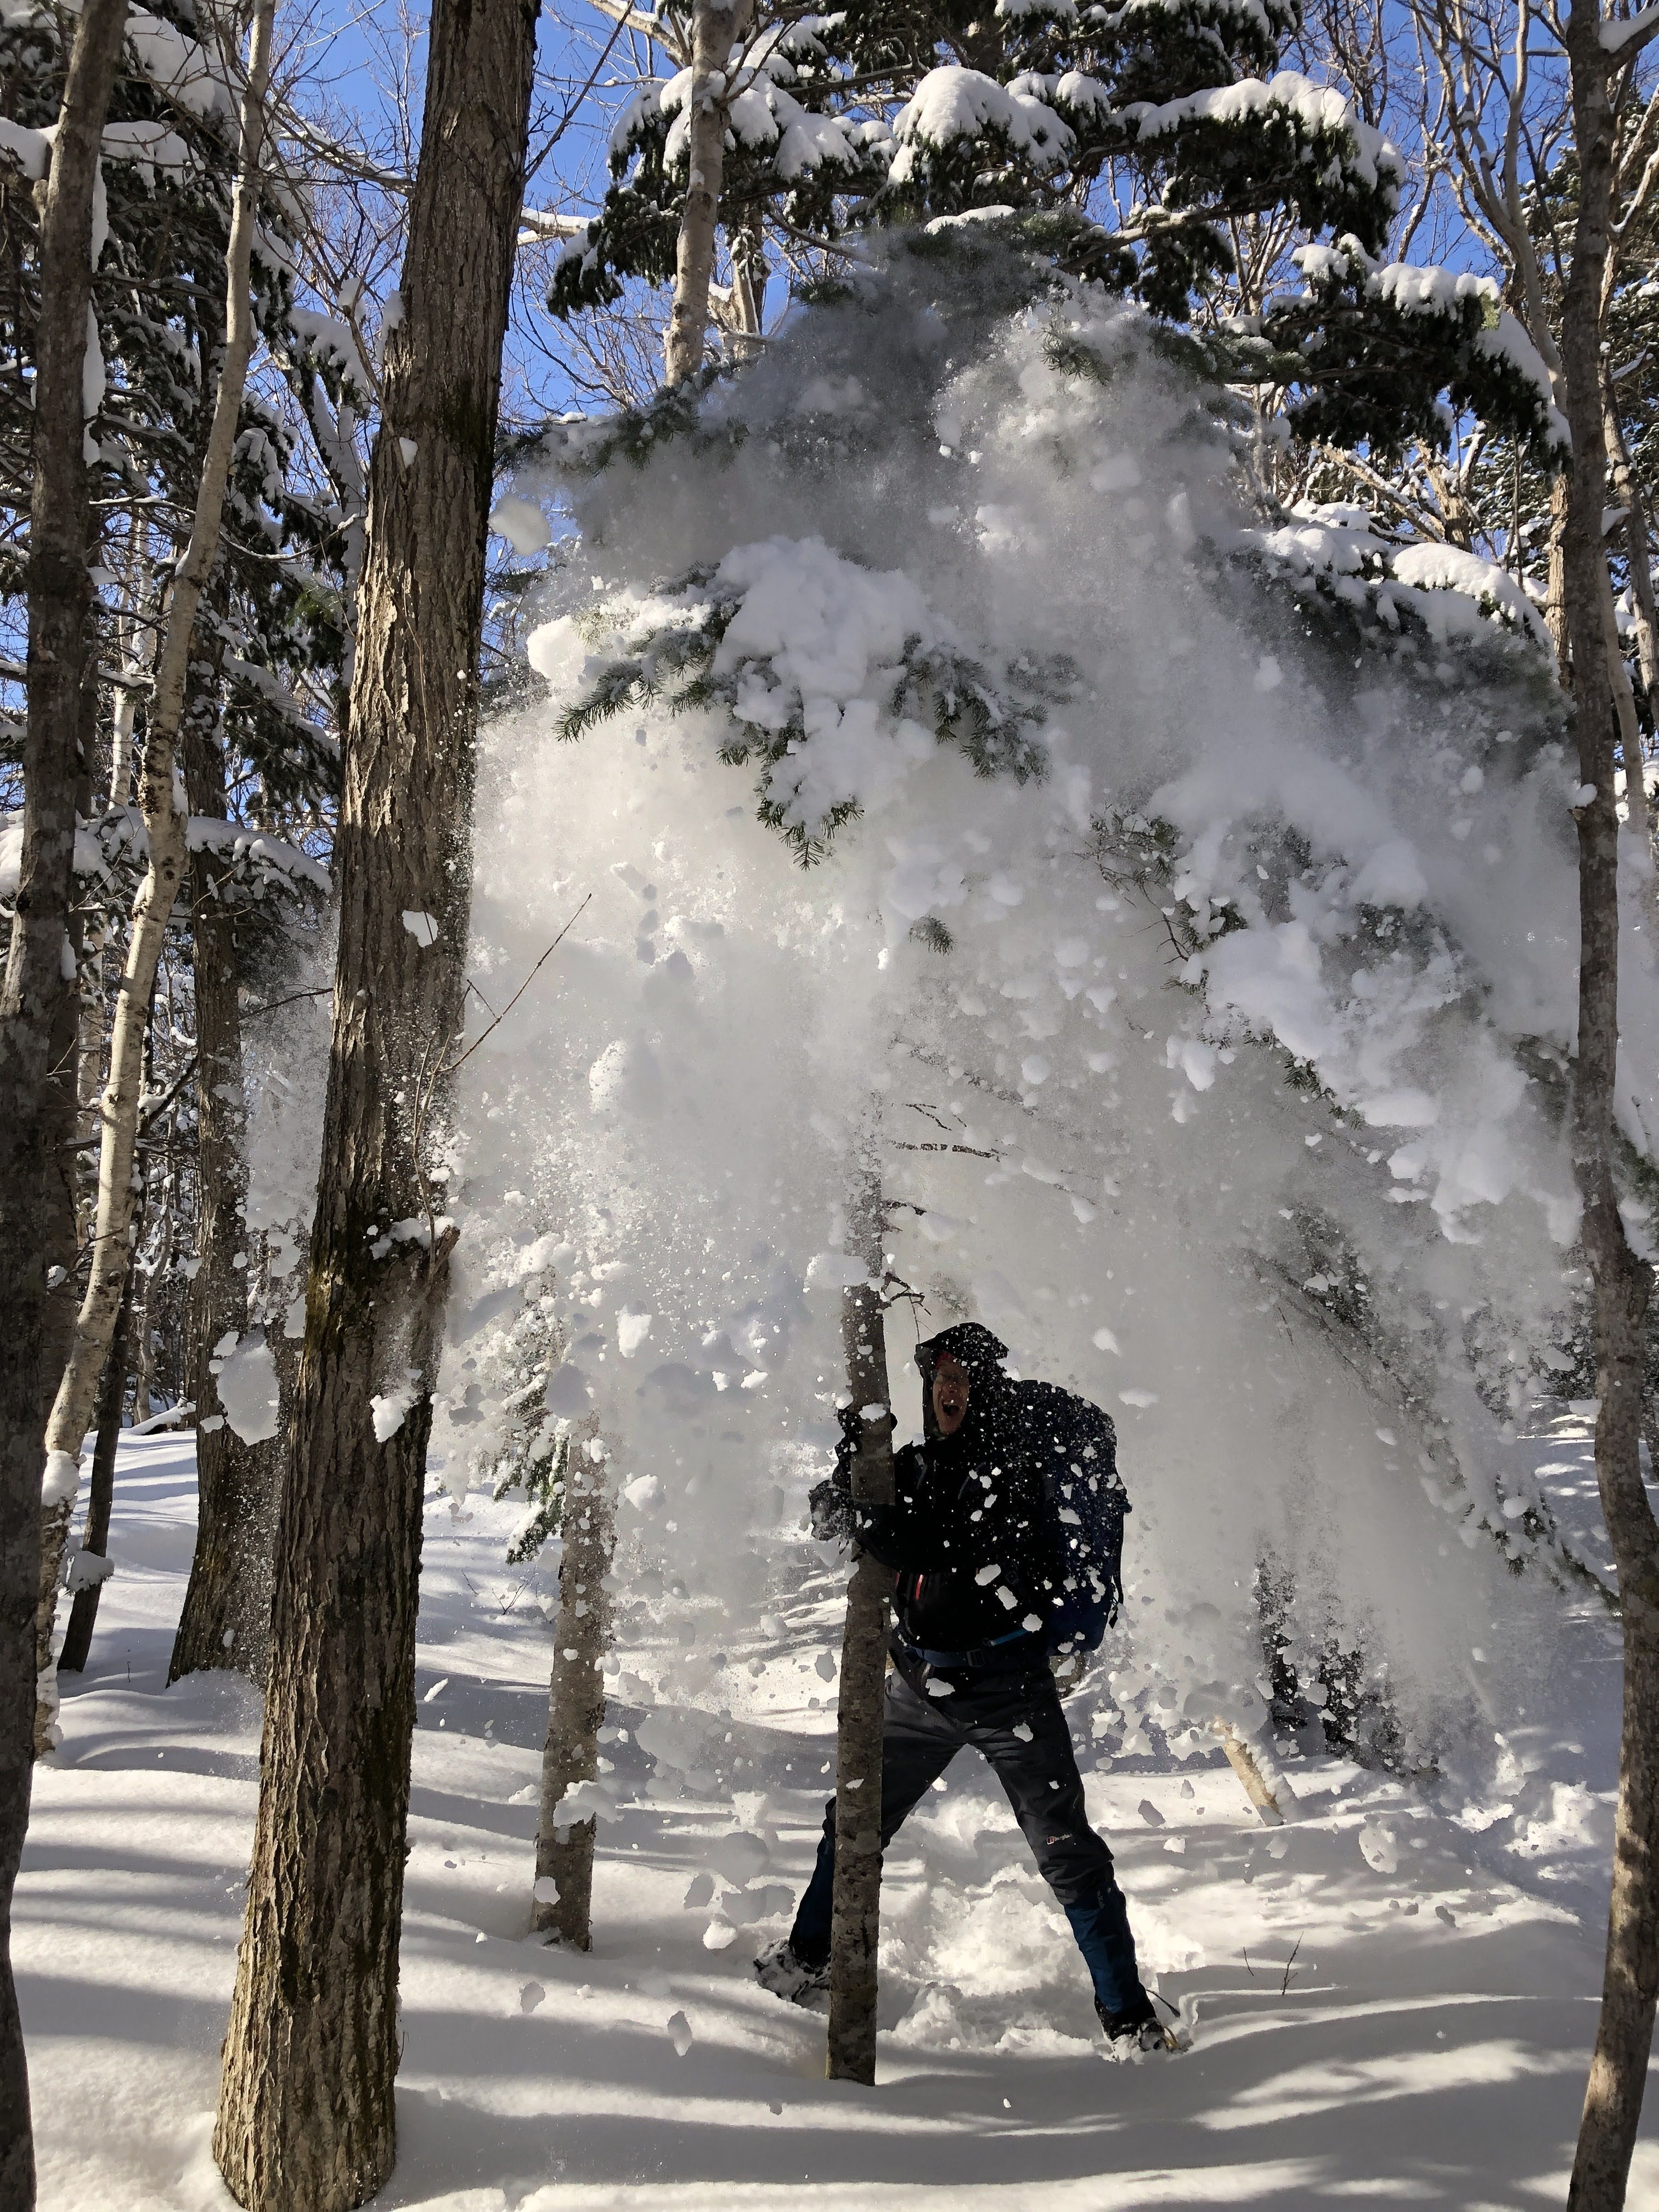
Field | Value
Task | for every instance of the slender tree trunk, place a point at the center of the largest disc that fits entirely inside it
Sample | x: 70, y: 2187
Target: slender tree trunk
x: 65, y: 1175
x: 125, y: 716
x: 575, y: 1705
x: 1613, y: 2101
x: 715, y: 30
x: 62, y: 537
x: 855, y: 1925
x: 1555, y: 589
x: 307, y: 2120
x: 162, y: 800
x: 1627, y: 494
x: 89, y: 1082
x: 1626, y: 487
x: 111, y: 1400
x: 226, y: 1619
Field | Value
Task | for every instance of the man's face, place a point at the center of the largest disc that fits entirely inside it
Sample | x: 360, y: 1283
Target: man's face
x: 950, y: 1393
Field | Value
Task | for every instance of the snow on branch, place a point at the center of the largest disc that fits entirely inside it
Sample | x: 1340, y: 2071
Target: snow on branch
x: 1627, y: 37
x: 824, y: 668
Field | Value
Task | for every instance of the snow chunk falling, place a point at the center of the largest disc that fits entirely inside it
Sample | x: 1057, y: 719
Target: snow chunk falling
x: 248, y: 1389
x: 390, y: 1410
x: 523, y: 524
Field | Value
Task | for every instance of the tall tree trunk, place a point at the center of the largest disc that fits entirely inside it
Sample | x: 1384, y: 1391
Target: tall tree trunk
x: 715, y: 30
x: 62, y: 537
x: 307, y: 2120
x: 575, y: 1704
x: 95, y: 1543
x: 1627, y: 494
x: 226, y: 1619
x: 66, y: 1176
x: 1613, y: 2101
x: 165, y: 825
x: 855, y: 1925
x: 1555, y: 588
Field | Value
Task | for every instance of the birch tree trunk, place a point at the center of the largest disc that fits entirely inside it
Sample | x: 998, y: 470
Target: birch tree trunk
x: 715, y: 30
x: 226, y: 1618
x: 307, y: 2120
x: 1612, y: 2100
x: 62, y: 537
x: 855, y: 1925
x: 163, y: 801
x: 575, y: 1708
x: 111, y: 1400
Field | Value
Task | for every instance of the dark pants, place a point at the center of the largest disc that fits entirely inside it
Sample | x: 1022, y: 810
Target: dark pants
x: 923, y: 1735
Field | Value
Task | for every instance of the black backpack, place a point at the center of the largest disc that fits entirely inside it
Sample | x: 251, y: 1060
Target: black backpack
x: 1087, y: 1506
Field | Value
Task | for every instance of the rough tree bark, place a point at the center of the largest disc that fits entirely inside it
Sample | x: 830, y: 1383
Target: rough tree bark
x: 226, y: 1619
x: 163, y: 806
x: 1612, y: 2100
x: 715, y: 30
x: 575, y: 1704
x: 67, y: 1173
x: 62, y: 537
x: 307, y: 2120
x: 94, y: 1542
x: 855, y: 1925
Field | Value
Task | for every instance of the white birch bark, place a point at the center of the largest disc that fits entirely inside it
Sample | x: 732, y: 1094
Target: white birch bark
x: 162, y: 803
x: 716, y: 29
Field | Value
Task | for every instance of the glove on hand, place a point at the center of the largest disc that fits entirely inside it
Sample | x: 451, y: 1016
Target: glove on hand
x: 831, y: 1504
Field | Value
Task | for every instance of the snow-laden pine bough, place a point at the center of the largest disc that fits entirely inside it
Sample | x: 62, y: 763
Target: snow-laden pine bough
x: 1197, y: 893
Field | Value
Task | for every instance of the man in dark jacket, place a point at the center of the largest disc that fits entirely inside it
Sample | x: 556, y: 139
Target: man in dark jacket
x: 991, y: 1576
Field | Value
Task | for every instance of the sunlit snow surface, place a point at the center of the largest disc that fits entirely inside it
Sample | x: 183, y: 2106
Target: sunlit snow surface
x: 1429, y: 2047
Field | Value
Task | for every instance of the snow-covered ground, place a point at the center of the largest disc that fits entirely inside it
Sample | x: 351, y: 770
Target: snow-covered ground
x: 1393, y: 1998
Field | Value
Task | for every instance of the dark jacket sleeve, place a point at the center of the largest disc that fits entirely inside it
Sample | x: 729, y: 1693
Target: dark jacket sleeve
x: 904, y: 1535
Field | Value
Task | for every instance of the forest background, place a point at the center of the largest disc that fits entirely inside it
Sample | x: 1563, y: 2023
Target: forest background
x: 302, y: 191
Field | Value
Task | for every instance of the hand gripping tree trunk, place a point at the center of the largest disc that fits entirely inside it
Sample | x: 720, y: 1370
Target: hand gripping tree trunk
x: 715, y: 30
x: 855, y: 1925
x: 575, y: 1707
x: 1625, y: 2033
x: 306, y: 2119
x: 161, y: 798
x: 61, y: 541
x: 226, y: 1619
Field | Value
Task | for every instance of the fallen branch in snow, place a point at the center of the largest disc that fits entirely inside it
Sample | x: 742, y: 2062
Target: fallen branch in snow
x: 170, y: 1419
x: 1285, y: 1986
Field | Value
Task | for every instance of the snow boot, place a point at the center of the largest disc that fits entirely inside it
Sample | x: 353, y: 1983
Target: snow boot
x: 1128, y: 2034
x: 795, y: 1979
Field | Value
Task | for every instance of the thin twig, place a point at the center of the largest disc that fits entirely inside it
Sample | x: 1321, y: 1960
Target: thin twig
x: 519, y: 992
x: 252, y: 1013
x: 1285, y: 1986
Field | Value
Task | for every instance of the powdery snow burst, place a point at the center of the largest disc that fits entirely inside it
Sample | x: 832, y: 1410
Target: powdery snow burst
x: 1201, y: 1064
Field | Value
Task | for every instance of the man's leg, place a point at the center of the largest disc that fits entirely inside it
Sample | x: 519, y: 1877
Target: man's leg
x: 1037, y: 1769
x: 918, y: 1743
